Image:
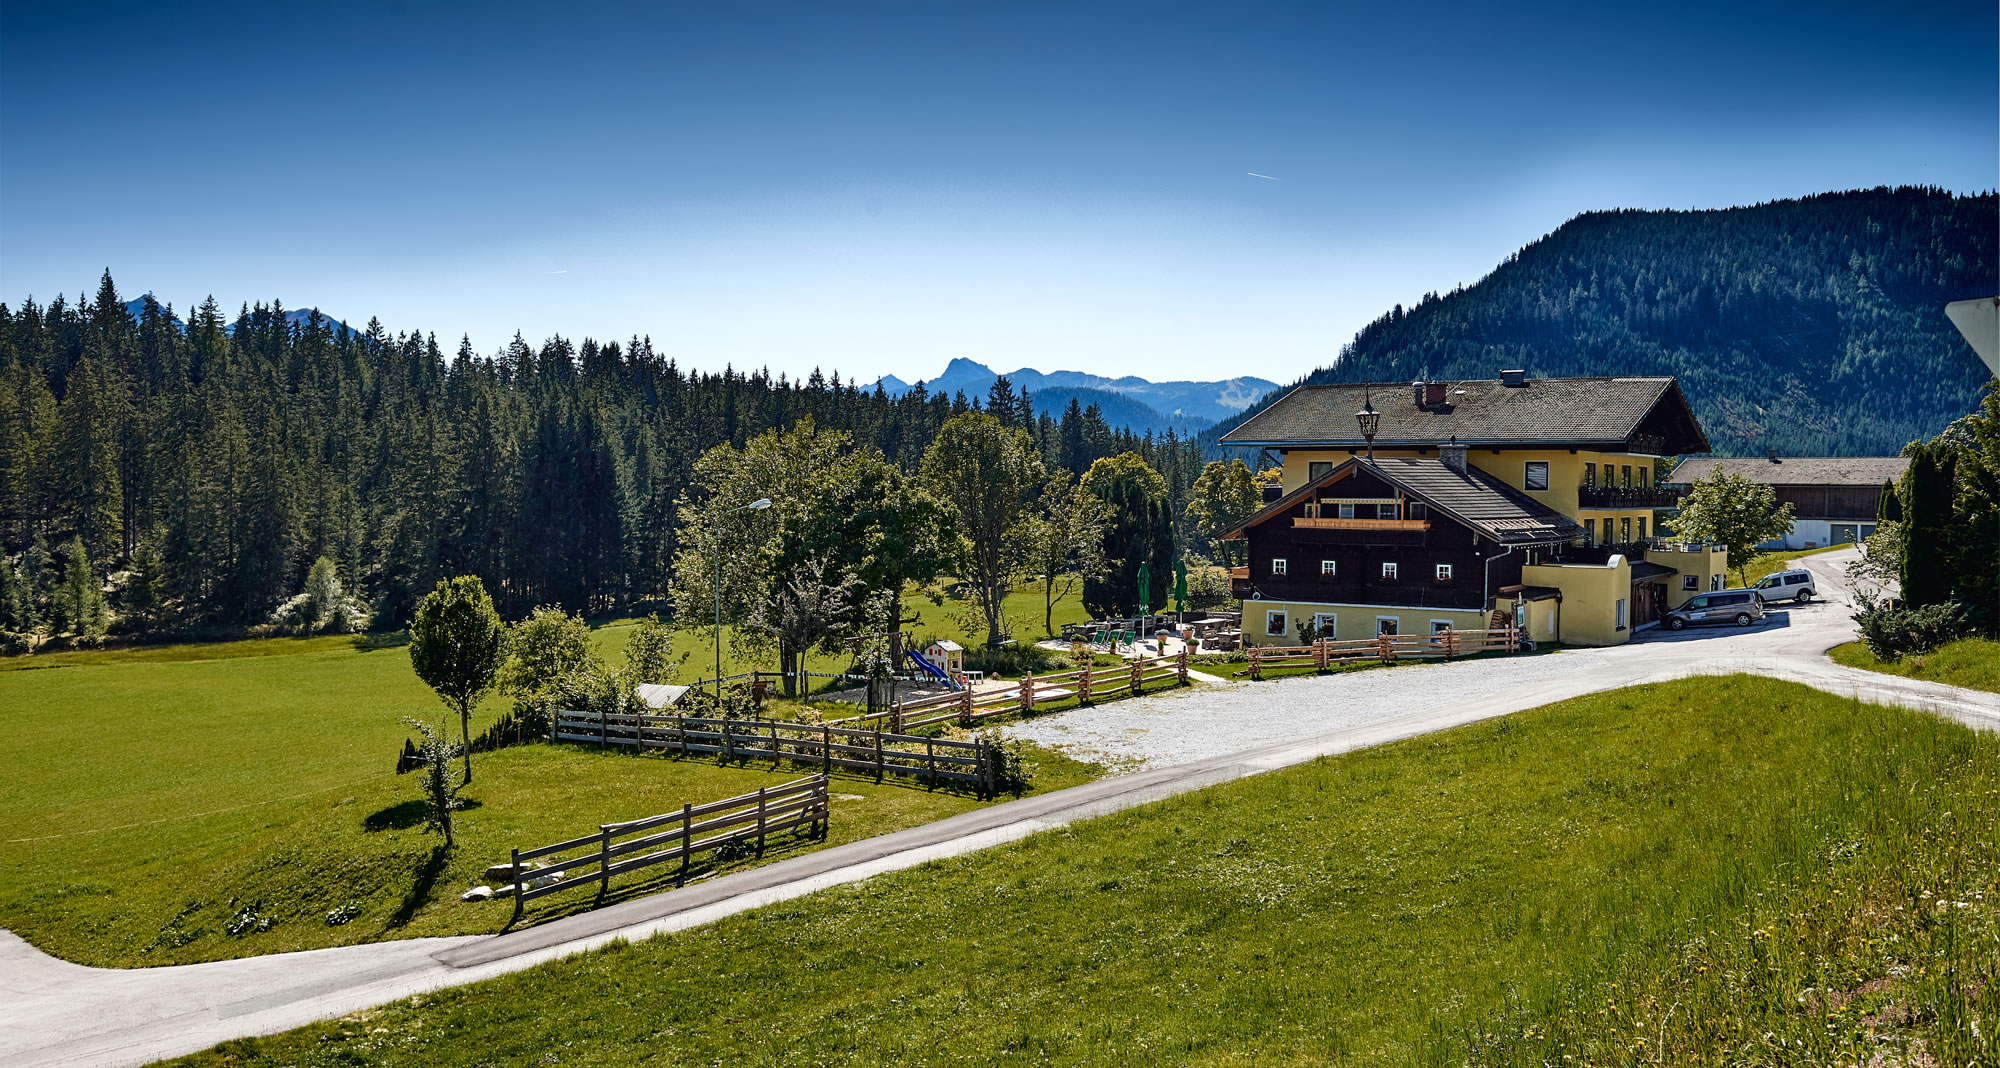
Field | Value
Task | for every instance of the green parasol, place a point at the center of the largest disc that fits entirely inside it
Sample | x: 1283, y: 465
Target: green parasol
x: 1180, y: 586
x: 1145, y: 586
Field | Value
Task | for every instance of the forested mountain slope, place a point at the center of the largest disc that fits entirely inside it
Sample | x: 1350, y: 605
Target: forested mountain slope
x: 1813, y: 326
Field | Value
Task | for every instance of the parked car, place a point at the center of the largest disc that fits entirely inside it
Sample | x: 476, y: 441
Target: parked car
x: 1741, y: 607
x: 1795, y: 584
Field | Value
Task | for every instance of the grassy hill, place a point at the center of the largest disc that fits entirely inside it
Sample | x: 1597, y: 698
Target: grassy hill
x: 1712, y: 871
x: 1814, y: 326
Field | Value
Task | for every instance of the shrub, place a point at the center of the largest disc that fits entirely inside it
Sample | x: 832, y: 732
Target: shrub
x: 1015, y: 660
x: 1892, y: 633
x: 440, y: 793
x: 1012, y: 769
x: 323, y: 607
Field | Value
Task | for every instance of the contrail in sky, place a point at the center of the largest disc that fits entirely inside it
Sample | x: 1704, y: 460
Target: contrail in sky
x: 1254, y: 174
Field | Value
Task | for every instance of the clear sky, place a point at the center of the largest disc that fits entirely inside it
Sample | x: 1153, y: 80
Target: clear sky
x: 879, y: 189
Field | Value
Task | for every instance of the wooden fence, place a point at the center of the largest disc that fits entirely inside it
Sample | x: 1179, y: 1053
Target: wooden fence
x: 869, y: 750
x: 618, y: 848
x: 968, y: 707
x: 1322, y: 655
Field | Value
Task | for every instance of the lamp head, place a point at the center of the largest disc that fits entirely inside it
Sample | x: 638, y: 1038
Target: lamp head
x: 761, y: 502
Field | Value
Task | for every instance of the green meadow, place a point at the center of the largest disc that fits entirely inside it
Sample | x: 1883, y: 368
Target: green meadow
x: 1708, y: 872
x: 1970, y: 662
x: 157, y: 797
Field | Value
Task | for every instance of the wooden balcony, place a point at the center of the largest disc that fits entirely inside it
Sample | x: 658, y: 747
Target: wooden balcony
x: 1335, y: 531
x: 1336, y: 523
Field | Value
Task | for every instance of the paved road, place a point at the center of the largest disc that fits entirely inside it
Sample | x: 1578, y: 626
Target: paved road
x: 56, y: 1013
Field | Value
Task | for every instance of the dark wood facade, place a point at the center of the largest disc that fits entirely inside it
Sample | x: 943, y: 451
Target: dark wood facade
x: 1838, y: 504
x: 1358, y: 548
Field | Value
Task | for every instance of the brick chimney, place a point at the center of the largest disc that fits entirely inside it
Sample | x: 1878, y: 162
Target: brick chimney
x: 1453, y: 455
x: 1434, y: 394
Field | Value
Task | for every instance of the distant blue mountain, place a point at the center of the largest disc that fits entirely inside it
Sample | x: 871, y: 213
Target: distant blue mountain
x: 295, y: 316
x: 1196, y: 403
x: 1118, y: 410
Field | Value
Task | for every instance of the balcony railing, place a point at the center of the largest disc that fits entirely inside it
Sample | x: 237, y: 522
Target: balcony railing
x: 1646, y: 445
x: 1665, y: 496
x: 1337, y: 523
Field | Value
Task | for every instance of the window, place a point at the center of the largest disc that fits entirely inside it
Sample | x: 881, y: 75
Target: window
x: 1274, y: 623
x: 1642, y: 527
x: 1537, y: 477
x: 1589, y: 476
x: 1624, y: 533
x: 1389, y: 571
x: 1690, y: 582
x: 1697, y: 602
x: 1715, y: 582
x: 1444, y: 572
x: 1417, y: 510
x: 1318, y: 468
x: 1328, y: 625
x: 1385, y: 625
x: 1642, y: 476
x: 1621, y: 613
x: 1277, y: 565
x: 1326, y: 569
x: 1626, y: 472
x: 1439, y: 626
x: 1590, y: 532
x: 1347, y: 511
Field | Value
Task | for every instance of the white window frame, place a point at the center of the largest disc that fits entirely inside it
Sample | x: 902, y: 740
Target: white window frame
x: 1444, y: 573
x: 1389, y: 570
x: 1438, y: 627
x: 1528, y: 472
x: 1278, y: 565
x: 1690, y: 583
x: 1328, y: 568
x: 1328, y: 625
x: 1395, y: 626
x: 1284, y: 623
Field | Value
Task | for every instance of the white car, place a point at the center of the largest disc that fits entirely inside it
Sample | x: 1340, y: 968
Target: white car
x: 1794, y: 584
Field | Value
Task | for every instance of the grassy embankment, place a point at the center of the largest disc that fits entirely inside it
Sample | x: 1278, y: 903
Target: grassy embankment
x: 153, y: 794
x: 1970, y: 662
x: 1716, y: 871
x: 1765, y: 563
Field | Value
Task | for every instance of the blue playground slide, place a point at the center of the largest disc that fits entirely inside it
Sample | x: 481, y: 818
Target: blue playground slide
x: 931, y: 669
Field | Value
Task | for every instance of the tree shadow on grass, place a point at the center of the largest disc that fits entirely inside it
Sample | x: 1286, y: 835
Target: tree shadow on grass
x: 420, y: 891
x: 386, y: 639
x: 404, y: 815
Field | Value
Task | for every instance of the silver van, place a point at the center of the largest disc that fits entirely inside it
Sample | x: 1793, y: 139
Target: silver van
x: 1795, y: 584
x: 1741, y: 607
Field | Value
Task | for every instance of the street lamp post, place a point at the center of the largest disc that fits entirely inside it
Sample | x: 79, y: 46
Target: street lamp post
x: 1369, y: 418
x: 758, y: 505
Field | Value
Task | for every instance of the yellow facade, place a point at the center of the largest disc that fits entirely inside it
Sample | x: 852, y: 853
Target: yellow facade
x: 1351, y: 621
x: 1707, y: 565
x: 1596, y: 600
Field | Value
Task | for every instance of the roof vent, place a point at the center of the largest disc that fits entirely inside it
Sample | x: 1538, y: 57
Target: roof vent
x: 1417, y: 393
x: 1514, y: 379
x: 1772, y: 455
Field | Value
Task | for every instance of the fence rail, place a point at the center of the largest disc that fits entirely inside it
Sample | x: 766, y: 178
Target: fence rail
x: 968, y: 707
x: 1322, y: 655
x: 826, y: 744
x: 618, y: 848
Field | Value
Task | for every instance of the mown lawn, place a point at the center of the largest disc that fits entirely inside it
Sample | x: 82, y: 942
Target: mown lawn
x: 1970, y: 662
x: 154, y: 794
x: 1715, y: 871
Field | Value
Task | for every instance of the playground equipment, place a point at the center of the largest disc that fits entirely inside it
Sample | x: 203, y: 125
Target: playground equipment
x: 944, y: 661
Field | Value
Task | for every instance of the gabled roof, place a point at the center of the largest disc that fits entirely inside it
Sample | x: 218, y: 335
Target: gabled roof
x: 1481, y: 502
x: 1798, y: 470
x: 1548, y: 411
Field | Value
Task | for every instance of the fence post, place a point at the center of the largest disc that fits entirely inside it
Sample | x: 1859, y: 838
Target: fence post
x: 1450, y: 643
x: 1182, y: 667
x: 603, y: 728
x: 896, y: 719
x: 965, y: 706
x: 728, y: 743
x: 1319, y: 655
x: 603, y: 859
x: 825, y: 749
x: 930, y: 758
x: 1028, y: 692
x: 1083, y: 685
x: 520, y: 884
x: 1256, y: 665
x: 760, y: 821
x: 687, y: 837
x: 878, y: 755
x: 1138, y: 671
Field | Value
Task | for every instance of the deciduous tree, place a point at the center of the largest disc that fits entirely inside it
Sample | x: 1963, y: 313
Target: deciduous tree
x: 457, y: 644
x: 989, y: 473
x: 1729, y: 510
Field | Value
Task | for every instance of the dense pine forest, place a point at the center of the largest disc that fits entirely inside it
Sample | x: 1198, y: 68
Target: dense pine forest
x: 205, y: 464
x: 1813, y: 326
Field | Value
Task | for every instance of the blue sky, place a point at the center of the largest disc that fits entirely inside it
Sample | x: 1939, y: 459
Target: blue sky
x: 877, y: 189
